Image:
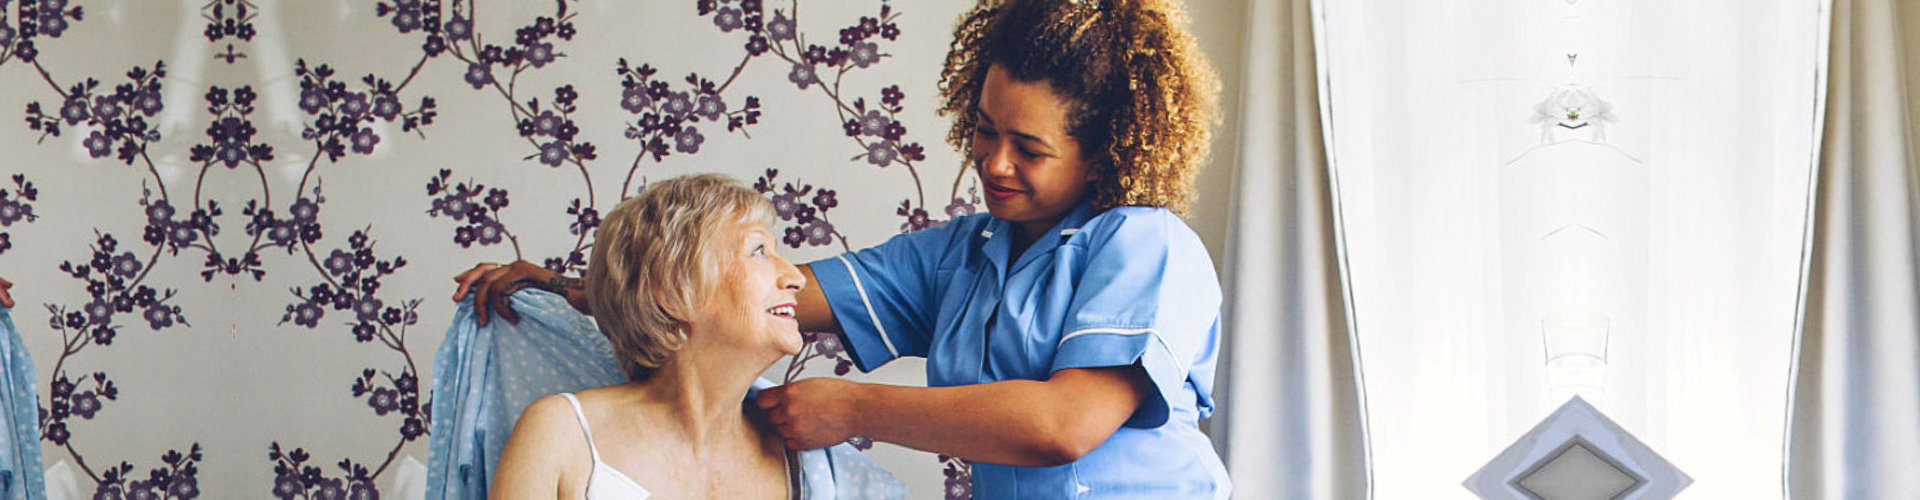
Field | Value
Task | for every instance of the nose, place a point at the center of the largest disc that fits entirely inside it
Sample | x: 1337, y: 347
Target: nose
x: 994, y: 158
x: 790, y: 277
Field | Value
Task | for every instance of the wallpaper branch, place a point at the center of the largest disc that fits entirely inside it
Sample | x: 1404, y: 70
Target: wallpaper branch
x: 351, y: 116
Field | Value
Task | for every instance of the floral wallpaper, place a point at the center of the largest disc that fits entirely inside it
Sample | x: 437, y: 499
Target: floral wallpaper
x: 237, y: 219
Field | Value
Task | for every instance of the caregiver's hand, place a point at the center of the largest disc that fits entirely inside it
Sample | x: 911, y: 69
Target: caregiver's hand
x: 5, y: 299
x: 492, y: 283
x: 812, y: 413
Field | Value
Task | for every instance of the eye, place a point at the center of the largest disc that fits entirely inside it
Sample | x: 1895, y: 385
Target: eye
x: 759, y: 250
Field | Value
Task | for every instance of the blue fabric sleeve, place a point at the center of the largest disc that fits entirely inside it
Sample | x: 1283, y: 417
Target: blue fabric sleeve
x: 483, y: 377
x: 21, y: 476
x: 884, y: 297
x: 1147, y: 295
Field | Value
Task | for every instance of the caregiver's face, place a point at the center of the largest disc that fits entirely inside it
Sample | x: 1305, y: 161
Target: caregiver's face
x: 1029, y: 165
x: 754, y: 302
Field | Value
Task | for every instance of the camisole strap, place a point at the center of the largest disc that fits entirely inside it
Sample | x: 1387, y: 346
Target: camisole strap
x: 584, y: 428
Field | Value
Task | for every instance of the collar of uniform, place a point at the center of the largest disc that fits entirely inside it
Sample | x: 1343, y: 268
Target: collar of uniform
x: 999, y: 236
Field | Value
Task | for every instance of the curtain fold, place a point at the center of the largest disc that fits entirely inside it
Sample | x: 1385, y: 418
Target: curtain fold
x: 1292, y: 419
x: 1854, y: 422
x: 1603, y: 198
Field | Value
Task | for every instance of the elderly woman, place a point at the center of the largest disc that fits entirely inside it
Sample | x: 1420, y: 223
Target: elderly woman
x: 696, y: 304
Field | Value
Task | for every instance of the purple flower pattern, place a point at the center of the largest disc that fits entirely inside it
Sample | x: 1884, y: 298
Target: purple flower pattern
x: 295, y: 477
x: 104, y: 114
x: 465, y: 203
x: 805, y: 208
x: 38, y: 19
x: 113, y: 279
x: 229, y: 20
x: 343, y: 118
x: 669, y: 119
x: 351, y: 281
x: 180, y: 478
x: 16, y: 206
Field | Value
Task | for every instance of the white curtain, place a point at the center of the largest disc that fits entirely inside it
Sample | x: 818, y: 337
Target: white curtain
x: 1542, y: 199
x: 1290, y: 418
x: 1855, y: 422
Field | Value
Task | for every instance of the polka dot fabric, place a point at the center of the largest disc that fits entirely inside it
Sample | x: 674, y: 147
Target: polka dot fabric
x: 485, y: 376
x: 20, y: 468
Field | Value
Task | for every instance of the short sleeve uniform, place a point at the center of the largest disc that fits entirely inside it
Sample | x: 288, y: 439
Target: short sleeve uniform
x: 1124, y: 286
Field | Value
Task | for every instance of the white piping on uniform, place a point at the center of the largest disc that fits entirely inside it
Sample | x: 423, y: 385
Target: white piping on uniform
x: 869, y: 305
x: 1115, y: 331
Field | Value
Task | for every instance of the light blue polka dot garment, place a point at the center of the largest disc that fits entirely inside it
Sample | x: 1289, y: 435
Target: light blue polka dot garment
x: 484, y: 377
x: 20, y: 468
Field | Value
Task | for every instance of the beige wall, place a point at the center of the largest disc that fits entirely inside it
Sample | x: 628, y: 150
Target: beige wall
x: 1221, y: 26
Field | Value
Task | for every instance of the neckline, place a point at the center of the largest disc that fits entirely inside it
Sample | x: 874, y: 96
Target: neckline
x: 1000, y: 235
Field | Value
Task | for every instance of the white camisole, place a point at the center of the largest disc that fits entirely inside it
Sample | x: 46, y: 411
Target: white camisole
x: 606, y: 483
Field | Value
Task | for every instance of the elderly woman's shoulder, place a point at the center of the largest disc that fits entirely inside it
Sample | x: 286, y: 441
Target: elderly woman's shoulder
x: 551, y: 416
x: 547, y: 441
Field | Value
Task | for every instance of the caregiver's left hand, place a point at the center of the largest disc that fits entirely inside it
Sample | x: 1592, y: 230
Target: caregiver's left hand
x: 812, y: 413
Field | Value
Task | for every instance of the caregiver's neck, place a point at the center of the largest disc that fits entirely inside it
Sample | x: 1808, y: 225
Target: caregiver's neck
x: 1026, y: 233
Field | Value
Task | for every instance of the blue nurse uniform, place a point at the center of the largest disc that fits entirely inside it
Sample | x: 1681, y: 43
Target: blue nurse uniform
x: 1124, y: 286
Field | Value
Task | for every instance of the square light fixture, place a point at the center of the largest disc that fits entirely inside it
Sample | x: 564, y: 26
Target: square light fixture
x: 1578, y: 454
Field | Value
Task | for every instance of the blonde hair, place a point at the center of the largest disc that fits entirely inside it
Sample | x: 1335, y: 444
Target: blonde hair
x: 656, y: 259
x: 1144, y: 98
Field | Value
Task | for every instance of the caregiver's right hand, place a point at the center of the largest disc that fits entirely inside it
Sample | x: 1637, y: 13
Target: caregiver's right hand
x: 492, y: 283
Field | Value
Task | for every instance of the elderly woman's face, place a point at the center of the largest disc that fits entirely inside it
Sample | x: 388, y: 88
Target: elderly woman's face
x: 1029, y: 164
x: 755, y: 299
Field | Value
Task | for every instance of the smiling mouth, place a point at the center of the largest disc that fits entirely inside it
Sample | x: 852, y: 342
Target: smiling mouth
x: 783, y: 311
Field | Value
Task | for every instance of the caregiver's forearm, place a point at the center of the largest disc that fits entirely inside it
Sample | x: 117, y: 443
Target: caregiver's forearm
x: 1014, y: 422
x: 574, y: 289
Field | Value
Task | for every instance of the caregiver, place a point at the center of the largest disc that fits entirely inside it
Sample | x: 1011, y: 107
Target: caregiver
x: 1070, y: 334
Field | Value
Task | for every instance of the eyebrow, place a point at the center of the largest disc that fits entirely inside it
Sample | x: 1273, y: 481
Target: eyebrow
x: 1050, y: 149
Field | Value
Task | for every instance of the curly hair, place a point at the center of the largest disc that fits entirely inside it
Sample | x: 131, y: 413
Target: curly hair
x: 1144, y: 99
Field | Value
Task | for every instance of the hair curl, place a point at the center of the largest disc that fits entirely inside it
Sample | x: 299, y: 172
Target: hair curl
x: 1144, y: 97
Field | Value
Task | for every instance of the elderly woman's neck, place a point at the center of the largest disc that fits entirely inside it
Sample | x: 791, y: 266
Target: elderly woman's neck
x: 703, y: 394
